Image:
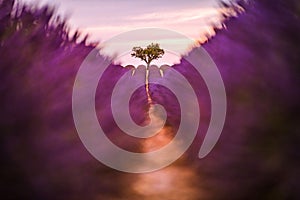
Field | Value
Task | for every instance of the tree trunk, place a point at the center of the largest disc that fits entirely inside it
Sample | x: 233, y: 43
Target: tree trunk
x: 147, y: 75
x: 147, y: 84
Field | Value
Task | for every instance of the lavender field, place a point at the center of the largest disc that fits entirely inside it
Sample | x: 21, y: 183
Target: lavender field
x: 256, y: 157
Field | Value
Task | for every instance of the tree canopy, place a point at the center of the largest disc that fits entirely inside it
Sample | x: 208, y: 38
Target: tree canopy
x: 148, y: 54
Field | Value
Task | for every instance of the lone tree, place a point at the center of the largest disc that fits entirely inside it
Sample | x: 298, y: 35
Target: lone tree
x: 150, y: 53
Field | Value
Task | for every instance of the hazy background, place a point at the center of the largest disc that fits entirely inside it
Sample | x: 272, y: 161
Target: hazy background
x: 105, y: 19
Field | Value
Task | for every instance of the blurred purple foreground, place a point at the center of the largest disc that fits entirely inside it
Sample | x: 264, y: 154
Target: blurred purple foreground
x: 257, y: 156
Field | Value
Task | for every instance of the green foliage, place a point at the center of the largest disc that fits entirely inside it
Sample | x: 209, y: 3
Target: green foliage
x: 151, y: 52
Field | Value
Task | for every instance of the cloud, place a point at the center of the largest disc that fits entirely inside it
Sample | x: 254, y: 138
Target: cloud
x: 176, y: 16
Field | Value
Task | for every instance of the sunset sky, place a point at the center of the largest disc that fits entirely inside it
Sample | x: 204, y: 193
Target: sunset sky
x: 105, y: 19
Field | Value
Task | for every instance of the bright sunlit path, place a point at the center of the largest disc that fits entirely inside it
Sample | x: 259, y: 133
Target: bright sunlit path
x: 174, y: 182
